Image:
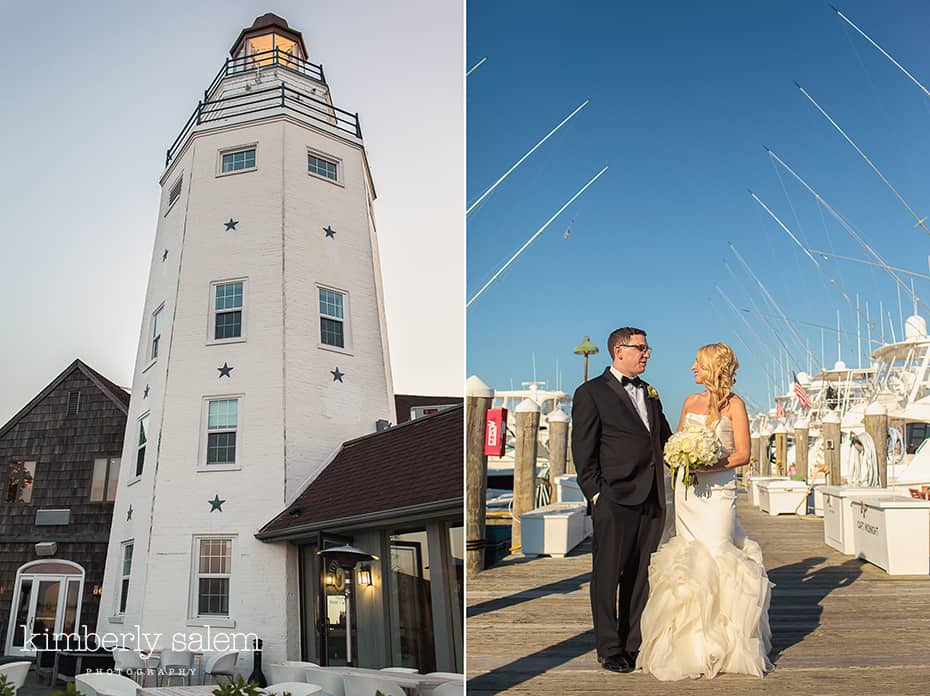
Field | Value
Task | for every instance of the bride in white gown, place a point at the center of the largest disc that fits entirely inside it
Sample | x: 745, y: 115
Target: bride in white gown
x: 709, y: 594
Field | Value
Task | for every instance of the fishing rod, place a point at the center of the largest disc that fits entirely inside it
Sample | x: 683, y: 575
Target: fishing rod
x: 921, y: 222
x: 522, y: 159
x: 865, y: 262
x: 533, y: 237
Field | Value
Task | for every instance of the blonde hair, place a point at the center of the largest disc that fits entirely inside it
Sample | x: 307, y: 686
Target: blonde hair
x: 719, y: 365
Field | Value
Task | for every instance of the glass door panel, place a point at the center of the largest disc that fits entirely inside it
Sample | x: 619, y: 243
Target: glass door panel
x: 46, y: 612
x: 22, y: 615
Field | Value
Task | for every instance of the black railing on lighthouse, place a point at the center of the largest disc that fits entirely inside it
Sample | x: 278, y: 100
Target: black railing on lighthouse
x: 280, y: 96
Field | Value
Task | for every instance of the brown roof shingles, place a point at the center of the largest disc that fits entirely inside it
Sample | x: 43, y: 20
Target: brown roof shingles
x: 414, y: 464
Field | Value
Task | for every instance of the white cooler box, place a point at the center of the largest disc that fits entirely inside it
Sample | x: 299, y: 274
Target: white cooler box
x: 567, y: 489
x: 893, y: 532
x: 754, y: 486
x: 781, y: 497
x: 553, y: 530
x: 838, y: 514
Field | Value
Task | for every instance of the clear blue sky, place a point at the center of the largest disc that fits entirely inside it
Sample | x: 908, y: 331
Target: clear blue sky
x: 683, y: 98
x: 95, y: 91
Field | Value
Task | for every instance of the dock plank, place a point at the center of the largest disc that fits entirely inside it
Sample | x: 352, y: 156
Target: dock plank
x: 839, y: 625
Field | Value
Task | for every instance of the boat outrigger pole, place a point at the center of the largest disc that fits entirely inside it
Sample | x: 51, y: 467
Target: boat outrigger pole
x: 533, y: 237
x: 846, y: 226
x: 522, y: 159
x: 475, y: 66
x: 921, y: 221
x: 881, y: 50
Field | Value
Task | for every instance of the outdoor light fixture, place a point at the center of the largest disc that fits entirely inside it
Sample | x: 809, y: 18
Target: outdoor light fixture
x: 330, y: 580
x: 364, y: 575
x: 98, y: 590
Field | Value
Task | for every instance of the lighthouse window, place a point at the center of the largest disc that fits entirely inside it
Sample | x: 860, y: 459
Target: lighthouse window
x: 140, y: 448
x: 156, y: 332
x: 222, y: 423
x: 125, y: 573
x: 237, y: 161
x: 175, y: 192
x: 322, y: 167
x: 227, y: 308
x: 212, y: 575
x: 332, y: 318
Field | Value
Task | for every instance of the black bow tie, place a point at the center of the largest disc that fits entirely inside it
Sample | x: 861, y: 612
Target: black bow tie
x: 636, y: 382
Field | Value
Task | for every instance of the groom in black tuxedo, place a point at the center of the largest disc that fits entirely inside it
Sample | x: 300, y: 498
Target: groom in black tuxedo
x: 618, y: 432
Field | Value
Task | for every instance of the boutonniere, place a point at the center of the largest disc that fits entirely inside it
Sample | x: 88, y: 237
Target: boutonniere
x: 651, y: 392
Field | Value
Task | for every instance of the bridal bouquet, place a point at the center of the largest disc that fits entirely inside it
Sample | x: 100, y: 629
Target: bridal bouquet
x: 693, y: 448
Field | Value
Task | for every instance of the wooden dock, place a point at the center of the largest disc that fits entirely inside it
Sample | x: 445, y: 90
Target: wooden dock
x: 840, y: 625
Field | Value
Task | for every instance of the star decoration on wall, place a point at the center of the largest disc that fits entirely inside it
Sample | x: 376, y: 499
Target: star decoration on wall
x: 216, y: 503
x: 337, y: 375
x: 330, y: 232
x: 225, y: 370
x: 129, y: 514
x: 164, y: 257
x: 145, y: 394
x: 231, y: 225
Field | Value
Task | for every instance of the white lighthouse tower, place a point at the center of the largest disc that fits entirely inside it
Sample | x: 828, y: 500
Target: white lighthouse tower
x: 262, y: 348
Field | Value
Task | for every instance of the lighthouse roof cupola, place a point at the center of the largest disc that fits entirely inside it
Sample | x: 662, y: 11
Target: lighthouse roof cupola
x: 267, y: 38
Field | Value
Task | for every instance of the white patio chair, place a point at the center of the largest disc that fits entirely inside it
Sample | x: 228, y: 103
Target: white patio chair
x: 278, y: 674
x: 220, y: 665
x: 175, y: 663
x: 294, y: 689
x: 104, y: 684
x: 449, y: 689
x: 331, y: 681
x: 130, y: 663
x: 15, y: 673
x: 298, y: 663
x: 370, y: 686
x: 405, y: 670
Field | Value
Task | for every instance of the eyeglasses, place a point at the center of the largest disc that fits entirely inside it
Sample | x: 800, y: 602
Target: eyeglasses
x: 641, y: 347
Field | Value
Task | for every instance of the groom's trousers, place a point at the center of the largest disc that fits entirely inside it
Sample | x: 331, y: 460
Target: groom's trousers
x: 625, y: 536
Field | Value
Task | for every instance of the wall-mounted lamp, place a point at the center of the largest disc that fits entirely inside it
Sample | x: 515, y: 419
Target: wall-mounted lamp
x: 330, y: 580
x: 98, y: 590
x: 364, y: 575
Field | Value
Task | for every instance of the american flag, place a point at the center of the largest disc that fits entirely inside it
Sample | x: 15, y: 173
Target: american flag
x: 803, y: 399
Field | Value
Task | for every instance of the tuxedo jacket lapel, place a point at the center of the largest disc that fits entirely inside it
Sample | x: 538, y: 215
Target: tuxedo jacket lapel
x: 624, y: 397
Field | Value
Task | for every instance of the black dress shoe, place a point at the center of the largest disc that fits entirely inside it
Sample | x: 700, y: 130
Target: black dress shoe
x: 632, y: 656
x: 616, y: 663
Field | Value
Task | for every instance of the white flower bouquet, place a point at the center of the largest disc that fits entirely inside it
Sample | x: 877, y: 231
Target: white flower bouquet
x: 694, y: 448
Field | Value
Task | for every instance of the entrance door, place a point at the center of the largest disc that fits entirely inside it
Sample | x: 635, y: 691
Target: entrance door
x: 333, y: 629
x: 43, y: 605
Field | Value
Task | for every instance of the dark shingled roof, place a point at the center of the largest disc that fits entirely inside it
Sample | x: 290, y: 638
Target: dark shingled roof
x: 409, y: 466
x: 114, y: 392
x: 404, y: 402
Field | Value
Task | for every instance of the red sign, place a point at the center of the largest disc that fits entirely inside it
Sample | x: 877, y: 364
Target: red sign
x: 495, y: 432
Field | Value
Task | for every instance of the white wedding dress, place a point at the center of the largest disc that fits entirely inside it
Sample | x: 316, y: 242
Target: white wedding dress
x: 709, y: 594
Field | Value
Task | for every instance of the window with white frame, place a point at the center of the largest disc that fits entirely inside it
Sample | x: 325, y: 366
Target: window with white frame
x: 140, y: 448
x: 238, y: 160
x: 125, y: 571
x: 332, y: 318
x: 222, y: 425
x: 320, y: 166
x: 156, y: 332
x: 106, y: 474
x: 212, y: 575
x: 228, y: 300
x: 175, y: 192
